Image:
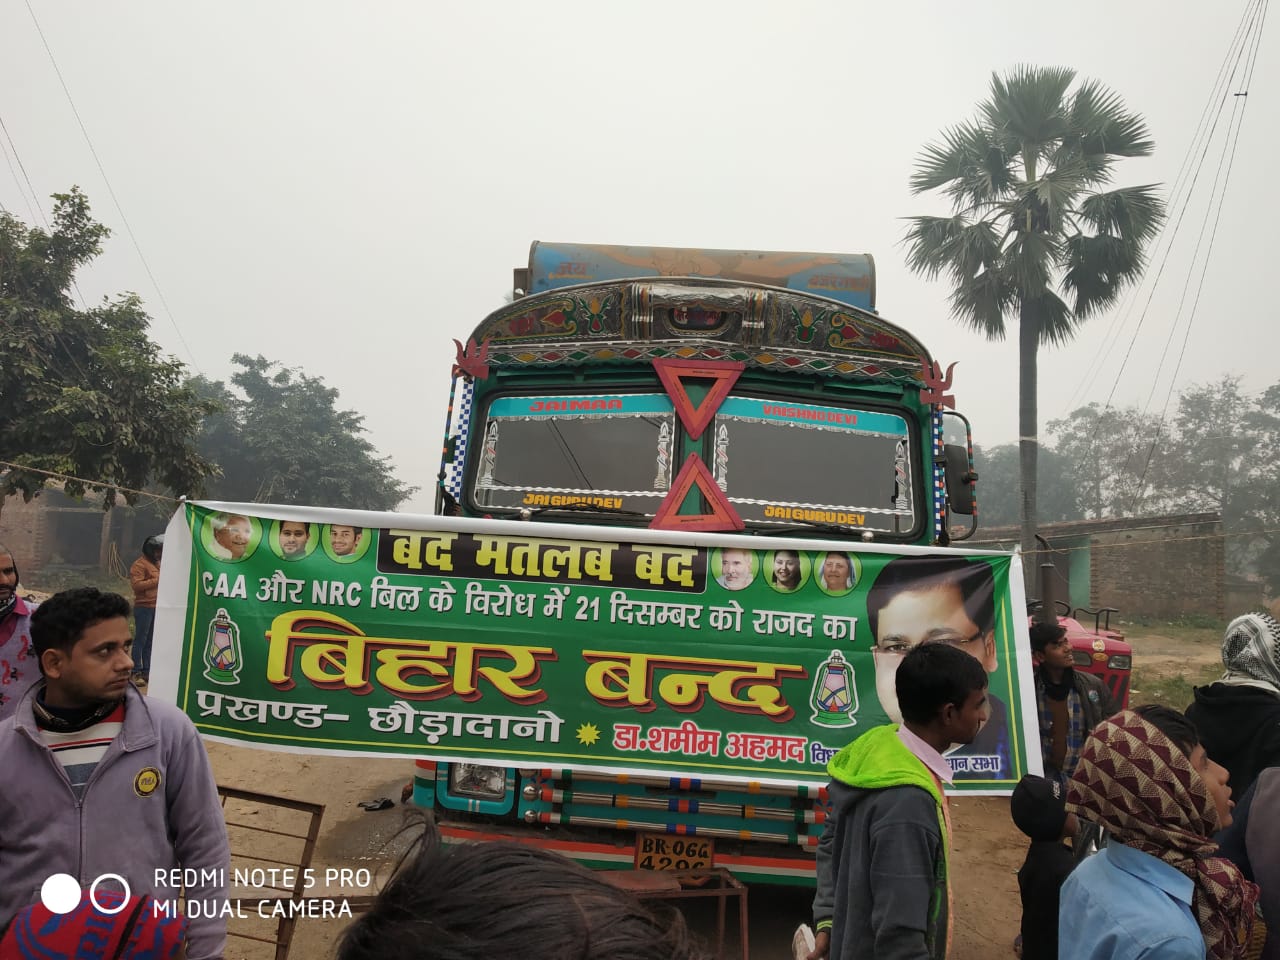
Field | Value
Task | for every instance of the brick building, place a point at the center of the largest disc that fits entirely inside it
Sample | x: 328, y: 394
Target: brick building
x: 57, y: 530
x: 1162, y: 567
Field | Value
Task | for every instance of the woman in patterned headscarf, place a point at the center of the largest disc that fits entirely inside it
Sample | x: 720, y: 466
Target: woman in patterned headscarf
x: 1239, y: 716
x: 1158, y: 888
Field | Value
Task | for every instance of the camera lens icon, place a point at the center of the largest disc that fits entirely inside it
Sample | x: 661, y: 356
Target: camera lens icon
x: 61, y: 893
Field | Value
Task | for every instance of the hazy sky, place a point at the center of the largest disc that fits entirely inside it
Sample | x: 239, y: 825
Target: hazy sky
x: 345, y: 187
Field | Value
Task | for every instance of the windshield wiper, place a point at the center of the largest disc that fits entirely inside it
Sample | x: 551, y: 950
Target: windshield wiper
x: 581, y: 507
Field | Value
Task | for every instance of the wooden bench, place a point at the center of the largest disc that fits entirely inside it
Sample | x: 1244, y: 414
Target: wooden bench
x: 688, y: 885
x: 268, y: 832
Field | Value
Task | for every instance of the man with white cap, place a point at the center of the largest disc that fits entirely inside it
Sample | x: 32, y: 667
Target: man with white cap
x: 1239, y: 716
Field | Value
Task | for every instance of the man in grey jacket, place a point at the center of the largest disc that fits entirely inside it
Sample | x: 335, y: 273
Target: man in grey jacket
x: 883, y: 887
x: 115, y: 789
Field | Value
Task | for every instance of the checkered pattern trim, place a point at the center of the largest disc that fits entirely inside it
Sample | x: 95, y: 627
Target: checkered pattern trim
x: 459, y: 427
x: 939, y: 477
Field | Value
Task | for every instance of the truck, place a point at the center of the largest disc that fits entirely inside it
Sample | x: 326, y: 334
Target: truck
x: 739, y: 392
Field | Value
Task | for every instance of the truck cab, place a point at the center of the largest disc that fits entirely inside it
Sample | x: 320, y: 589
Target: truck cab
x: 692, y: 390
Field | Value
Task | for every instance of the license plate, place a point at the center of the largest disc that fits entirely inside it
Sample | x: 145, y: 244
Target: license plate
x: 660, y: 851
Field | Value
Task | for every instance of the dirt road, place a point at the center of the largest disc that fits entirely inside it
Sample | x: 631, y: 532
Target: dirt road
x: 987, y: 852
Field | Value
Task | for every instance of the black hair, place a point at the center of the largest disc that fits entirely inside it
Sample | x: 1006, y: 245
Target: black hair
x: 61, y: 621
x: 153, y: 546
x: 773, y: 574
x: 974, y: 580
x: 1043, y: 634
x: 305, y: 525
x: 933, y: 675
x: 1174, y: 725
x: 463, y: 901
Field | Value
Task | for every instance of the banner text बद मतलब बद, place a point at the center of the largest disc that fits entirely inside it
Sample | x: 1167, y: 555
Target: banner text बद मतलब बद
x: 526, y: 645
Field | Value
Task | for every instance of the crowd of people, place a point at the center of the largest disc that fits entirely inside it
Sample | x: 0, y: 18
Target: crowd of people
x: 1176, y: 868
x: 116, y: 788
x: 1182, y: 811
x: 118, y: 799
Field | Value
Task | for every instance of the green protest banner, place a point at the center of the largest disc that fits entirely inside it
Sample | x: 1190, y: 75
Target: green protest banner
x: 537, y: 645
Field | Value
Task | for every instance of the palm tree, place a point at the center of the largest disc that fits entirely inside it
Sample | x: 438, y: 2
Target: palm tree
x: 1033, y: 234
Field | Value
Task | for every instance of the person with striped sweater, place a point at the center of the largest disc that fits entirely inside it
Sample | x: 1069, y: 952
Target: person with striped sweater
x: 116, y: 789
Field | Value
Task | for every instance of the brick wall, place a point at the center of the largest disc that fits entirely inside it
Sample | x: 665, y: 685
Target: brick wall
x: 1163, y: 570
x: 54, y: 528
x: 22, y: 530
x: 1161, y: 567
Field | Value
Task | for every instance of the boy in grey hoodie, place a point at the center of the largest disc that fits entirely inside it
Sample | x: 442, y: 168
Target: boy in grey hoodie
x: 883, y: 885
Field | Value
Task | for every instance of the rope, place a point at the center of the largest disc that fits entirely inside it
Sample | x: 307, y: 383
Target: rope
x: 1030, y: 553
x: 91, y: 483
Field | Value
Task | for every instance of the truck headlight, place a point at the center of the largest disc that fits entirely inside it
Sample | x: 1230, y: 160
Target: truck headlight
x: 1120, y: 661
x: 475, y: 780
x: 1081, y: 658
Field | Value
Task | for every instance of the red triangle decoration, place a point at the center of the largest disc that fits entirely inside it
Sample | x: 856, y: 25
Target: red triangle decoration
x: 673, y: 373
x: 722, y: 515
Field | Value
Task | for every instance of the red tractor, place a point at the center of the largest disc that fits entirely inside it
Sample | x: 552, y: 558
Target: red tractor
x: 1101, y: 650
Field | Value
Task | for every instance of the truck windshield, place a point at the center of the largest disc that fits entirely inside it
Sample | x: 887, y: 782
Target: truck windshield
x: 781, y: 462
x: 613, y: 451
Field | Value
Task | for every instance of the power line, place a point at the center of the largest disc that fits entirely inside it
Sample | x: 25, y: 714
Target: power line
x: 1179, y: 183
x: 1218, y: 177
x: 17, y: 183
x: 1241, y: 104
x: 14, y: 148
x: 1224, y: 535
x: 1235, y: 52
x: 111, y: 191
x: 1121, y: 317
x: 89, y: 483
x: 1186, y: 203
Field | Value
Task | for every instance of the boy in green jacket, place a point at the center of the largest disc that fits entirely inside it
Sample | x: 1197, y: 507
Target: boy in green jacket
x: 883, y: 887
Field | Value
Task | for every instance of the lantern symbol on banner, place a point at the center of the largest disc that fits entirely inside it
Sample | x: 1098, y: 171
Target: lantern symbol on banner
x: 835, y: 697
x: 222, y: 656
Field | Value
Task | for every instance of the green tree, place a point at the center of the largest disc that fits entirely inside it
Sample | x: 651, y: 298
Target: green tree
x: 1257, y: 494
x: 998, y: 494
x: 281, y: 439
x: 1109, y: 456
x: 1220, y: 459
x: 1214, y: 438
x: 1030, y: 221
x: 86, y: 393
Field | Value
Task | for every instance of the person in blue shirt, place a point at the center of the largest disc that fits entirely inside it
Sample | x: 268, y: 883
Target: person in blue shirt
x: 1158, y: 890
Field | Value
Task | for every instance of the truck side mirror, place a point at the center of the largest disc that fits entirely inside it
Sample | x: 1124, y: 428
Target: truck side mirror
x: 962, y: 479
